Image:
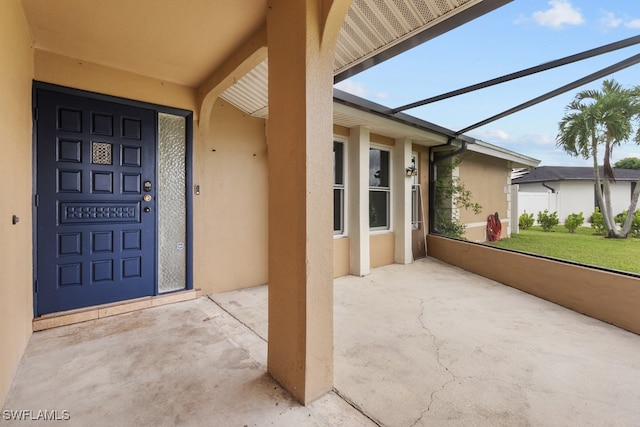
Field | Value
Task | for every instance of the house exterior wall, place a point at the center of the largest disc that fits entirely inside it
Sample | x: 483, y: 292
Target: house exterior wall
x: 16, y: 287
x: 381, y: 245
x: 230, y: 214
x: 487, y: 178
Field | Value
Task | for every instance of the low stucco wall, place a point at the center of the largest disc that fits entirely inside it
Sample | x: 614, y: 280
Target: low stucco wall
x: 341, y: 256
x: 607, y: 296
x: 383, y: 250
x: 16, y: 286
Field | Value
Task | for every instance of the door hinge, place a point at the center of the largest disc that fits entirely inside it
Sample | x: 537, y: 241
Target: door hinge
x: 35, y: 286
x: 35, y: 114
x: 36, y: 200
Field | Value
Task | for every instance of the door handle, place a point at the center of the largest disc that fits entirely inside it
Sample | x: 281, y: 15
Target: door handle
x: 147, y: 186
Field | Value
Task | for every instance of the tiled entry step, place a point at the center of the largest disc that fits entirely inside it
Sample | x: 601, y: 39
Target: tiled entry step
x: 70, y: 317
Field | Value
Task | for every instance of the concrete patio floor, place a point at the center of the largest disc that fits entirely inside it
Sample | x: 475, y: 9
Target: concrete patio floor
x: 420, y: 345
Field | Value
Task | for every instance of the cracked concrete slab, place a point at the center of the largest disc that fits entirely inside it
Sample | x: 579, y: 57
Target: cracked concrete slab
x: 458, y: 349
x: 425, y: 344
x: 428, y: 344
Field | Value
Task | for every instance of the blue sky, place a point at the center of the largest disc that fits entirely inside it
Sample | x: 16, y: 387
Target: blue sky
x: 521, y: 34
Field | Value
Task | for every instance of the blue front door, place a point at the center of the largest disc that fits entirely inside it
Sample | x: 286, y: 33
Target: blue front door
x: 95, y: 202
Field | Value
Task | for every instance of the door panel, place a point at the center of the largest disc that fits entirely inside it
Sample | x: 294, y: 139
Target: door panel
x: 96, y: 232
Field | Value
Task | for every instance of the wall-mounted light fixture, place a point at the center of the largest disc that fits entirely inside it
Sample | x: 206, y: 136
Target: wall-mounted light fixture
x: 411, y: 171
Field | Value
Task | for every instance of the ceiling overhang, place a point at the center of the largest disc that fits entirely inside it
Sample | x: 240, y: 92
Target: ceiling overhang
x: 181, y: 42
x: 220, y: 47
x: 372, y: 32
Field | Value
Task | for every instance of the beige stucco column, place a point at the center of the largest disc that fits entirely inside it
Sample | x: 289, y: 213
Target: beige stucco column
x: 301, y: 37
x: 402, y: 201
x: 358, y: 203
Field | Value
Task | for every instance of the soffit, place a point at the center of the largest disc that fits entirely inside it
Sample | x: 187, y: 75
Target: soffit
x: 370, y: 27
x: 184, y: 42
x: 177, y: 41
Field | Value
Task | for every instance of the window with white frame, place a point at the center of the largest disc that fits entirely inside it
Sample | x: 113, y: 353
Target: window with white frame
x: 338, y: 187
x: 379, y: 189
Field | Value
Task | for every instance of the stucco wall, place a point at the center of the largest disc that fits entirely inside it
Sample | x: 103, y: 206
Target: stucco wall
x: 65, y: 71
x: 341, y: 258
x: 231, y: 212
x: 382, y: 249
x: 606, y: 296
x: 486, y: 178
x: 16, y: 304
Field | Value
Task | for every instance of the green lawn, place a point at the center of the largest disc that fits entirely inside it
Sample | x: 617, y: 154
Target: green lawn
x: 583, y: 246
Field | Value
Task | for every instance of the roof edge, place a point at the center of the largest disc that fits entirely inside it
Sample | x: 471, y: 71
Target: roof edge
x: 362, y: 104
x: 520, y: 160
x: 458, y: 19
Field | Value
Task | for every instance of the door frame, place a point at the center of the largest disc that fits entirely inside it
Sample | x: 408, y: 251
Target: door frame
x: 187, y: 114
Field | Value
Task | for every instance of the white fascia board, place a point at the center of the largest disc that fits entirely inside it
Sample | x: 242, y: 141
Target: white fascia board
x: 519, y: 160
x: 368, y: 119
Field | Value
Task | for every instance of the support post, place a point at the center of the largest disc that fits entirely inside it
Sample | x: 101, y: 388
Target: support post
x: 402, y: 201
x: 301, y: 37
x: 359, y: 200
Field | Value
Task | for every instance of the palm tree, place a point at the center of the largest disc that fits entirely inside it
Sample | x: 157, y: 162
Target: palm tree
x: 606, y: 118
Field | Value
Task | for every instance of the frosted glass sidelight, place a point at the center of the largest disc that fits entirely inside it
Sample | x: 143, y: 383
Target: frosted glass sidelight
x: 172, y: 214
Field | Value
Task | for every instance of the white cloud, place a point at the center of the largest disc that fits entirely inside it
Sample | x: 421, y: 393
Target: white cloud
x: 543, y: 139
x: 354, y: 88
x: 609, y: 20
x: 560, y: 13
x: 634, y: 24
x: 360, y: 89
x: 490, y: 135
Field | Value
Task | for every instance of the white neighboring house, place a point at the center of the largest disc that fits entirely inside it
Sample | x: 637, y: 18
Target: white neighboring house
x: 569, y: 189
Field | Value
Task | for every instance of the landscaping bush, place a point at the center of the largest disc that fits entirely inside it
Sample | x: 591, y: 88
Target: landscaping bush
x: 635, y: 223
x: 451, y: 228
x: 574, y: 221
x: 597, y: 221
x: 525, y: 221
x: 548, y: 220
